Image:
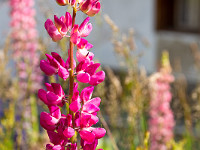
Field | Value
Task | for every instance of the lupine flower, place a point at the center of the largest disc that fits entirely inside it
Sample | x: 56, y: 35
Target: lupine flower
x: 82, y: 51
x: 82, y: 109
x: 61, y: 27
x: 54, y: 65
x: 82, y: 31
x: 49, y: 120
x: 85, y: 118
x: 76, y: 103
x: 24, y: 43
x: 161, y: 122
x: 63, y: 131
x: 86, y: 73
x: 90, y: 7
x: 53, y: 96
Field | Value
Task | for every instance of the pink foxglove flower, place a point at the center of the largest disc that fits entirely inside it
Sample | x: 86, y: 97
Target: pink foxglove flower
x: 54, y: 65
x: 90, y: 7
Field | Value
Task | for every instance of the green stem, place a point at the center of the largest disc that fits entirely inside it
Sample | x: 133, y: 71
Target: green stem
x: 71, y: 74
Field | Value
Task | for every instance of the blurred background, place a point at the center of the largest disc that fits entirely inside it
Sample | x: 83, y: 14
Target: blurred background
x: 139, y: 44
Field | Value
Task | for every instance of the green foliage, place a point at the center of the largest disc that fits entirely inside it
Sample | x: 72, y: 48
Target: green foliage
x: 178, y: 145
x: 7, y: 126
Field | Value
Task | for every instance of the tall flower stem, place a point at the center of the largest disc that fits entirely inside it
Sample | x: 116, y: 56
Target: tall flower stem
x: 60, y: 127
x: 71, y: 73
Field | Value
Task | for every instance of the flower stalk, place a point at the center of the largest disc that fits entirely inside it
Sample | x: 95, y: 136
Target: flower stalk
x: 71, y: 76
x: 82, y: 111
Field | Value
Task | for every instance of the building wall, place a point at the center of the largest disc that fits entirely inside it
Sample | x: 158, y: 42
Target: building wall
x: 136, y: 14
x: 179, y: 47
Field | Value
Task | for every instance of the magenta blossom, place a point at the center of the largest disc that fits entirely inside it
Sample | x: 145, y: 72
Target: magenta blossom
x: 56, y: 147
x: 86, y: 73
x: 49, y: 120
x: 89, y: 109
x: 61, y: 27
x: 66, y: 2
x: 81, y: 31
x: 76, y: 103
x: 85, y: 118
x: 53, y: 96
x: 90, y: 7
x: 82, y: 52
x: 54, y: 65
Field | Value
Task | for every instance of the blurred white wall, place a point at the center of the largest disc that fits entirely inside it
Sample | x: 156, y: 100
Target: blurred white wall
x: 136, y: 14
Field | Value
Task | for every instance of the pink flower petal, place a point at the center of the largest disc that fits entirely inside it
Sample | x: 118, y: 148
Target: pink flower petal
x: 52, y: 31
x: 97, y: 78
x: 84, y: 24
x: 94, y: 10
x: 63, y: 73
x: 55, y: 138
x: 69, y: 132
x: 53, y: 99
x: 58, y: 89
x: 85, y: 117
x: 86, y: 93
x: 47, y: 121
x: 42, y: 95
x: 99, y: 132
x: 96, y: 101
x: 75, y: 106
x: 49, y: 87
x: 86, y: 31
x: 60, y: 25
x: 68, y: 20
x: 87, y: 135
x: 90, y: 108
x: 91, y: 69
x: 75, y: 38
x: 58, y: 58
x: 53, y: 62
x: 47, y: 68
x: 83, y: 77
x: 55, y: 111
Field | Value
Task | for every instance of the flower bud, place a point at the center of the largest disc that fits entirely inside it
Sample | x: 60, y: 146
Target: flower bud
x: 90, y: 7
x: 62, y: 2
x: 66, y: 2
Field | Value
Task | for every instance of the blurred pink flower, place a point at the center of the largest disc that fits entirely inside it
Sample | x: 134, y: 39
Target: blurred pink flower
x: 161, y: 121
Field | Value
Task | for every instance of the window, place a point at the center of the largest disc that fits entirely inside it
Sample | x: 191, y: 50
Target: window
x: 178, y: 15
